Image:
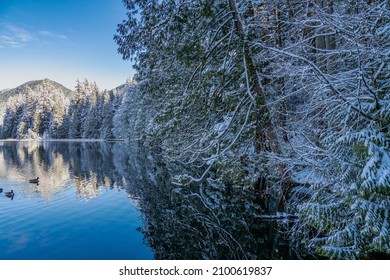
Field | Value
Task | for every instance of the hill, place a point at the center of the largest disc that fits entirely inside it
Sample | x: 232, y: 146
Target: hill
x: 45, y: 85
x: 47, y: 109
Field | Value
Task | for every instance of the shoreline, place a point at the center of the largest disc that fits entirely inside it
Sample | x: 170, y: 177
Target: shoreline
x: 63, y: 140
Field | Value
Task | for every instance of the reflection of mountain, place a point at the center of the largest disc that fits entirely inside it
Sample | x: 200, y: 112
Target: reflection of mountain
x: 192, y: 222
x: 88, y: 165
x: 23, y: 160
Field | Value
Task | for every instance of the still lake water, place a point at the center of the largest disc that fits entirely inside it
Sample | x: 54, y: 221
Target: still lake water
x: 76, y: 212
x: 99, y: 200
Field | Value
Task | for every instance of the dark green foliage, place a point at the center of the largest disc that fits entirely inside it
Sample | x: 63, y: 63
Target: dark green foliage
x: 295, y: 92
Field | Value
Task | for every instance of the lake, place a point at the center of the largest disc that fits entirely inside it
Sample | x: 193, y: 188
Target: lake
x: 81, y: 208
x: 100, y: 200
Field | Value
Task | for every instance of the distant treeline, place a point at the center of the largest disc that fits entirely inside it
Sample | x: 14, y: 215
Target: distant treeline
x: 46, y: 112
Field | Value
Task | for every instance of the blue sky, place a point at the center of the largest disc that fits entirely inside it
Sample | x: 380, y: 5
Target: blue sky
x: 62, y: 40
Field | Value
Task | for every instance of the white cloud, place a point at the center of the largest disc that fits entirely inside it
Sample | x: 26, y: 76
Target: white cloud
x: 45, y: 33
x: 20, y: 34
x: 51, y: 34
x: 10, y: 41
x: 13, y: 36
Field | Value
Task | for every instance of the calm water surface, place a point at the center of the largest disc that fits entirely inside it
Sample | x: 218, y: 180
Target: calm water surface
x: 98, y: 200
x: 81, y: 208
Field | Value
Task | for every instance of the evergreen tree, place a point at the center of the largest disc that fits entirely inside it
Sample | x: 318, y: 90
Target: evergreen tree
x: 293, y: 93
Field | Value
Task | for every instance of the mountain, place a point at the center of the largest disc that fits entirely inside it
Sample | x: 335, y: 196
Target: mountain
x: 47, y: 109
x: 33, y: 109
x: 45, y: 85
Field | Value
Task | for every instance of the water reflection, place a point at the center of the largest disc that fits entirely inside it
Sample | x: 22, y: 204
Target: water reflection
x: 194, y: 222
x: 89, y: 165
x: 79, y: 209
x: 200, y: 221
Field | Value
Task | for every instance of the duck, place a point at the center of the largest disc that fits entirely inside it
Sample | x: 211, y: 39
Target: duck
x: 34, y: 181
x: 9, y: 194
x: 1, y: 190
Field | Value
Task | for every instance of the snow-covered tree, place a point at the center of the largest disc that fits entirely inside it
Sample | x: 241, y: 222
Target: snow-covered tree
x: 39, y: 108
x: 291, y: 97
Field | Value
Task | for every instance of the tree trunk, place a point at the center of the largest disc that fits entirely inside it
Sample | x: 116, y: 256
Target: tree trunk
x: 265, y: 135
x: 279, y: 83
x: 266, y: 140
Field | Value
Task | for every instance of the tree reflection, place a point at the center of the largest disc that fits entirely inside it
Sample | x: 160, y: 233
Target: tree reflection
x: 199, y: 221
x: 87, y: 165
x: 192, y: 222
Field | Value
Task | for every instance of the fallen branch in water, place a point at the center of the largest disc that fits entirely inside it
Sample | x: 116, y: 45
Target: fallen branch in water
x: 278, y: 216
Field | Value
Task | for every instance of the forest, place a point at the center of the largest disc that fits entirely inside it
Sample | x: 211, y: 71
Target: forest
x: 287, y: 100
x: 46, y: 109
